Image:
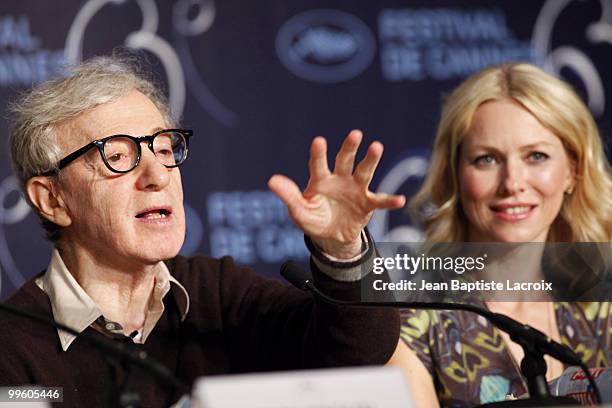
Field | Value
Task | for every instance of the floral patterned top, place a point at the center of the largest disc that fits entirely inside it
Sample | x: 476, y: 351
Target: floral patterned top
x: 470, y: 362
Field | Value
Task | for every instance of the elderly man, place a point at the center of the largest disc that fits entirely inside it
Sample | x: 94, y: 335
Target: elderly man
x: 97, y: 154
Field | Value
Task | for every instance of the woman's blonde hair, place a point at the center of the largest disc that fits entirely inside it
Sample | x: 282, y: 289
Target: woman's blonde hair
x: 586, y: 214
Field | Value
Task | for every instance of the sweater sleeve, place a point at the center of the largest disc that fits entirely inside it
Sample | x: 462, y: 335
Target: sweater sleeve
x: 20, y: 337
x: 12, y: 366
x: 271, y: 326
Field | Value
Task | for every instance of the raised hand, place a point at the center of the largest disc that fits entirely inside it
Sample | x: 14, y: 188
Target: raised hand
x: 335, y: 207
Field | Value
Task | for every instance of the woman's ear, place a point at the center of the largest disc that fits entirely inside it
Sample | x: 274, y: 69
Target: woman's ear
x: 570, y: 181
x: 43, y: 193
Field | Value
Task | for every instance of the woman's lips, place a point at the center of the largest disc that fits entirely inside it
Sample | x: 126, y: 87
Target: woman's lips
x: 512, y: 213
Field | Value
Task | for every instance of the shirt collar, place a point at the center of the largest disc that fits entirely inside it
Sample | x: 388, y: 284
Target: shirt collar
x: 73, y: 307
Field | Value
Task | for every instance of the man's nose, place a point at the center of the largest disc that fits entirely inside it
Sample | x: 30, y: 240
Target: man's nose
x: 152, y: 174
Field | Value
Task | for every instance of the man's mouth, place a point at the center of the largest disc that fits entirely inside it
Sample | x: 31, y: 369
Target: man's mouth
x: 154, y: 214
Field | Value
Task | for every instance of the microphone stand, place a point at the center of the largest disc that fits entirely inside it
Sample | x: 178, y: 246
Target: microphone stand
x: 535, y: 344
x: 118, y: 354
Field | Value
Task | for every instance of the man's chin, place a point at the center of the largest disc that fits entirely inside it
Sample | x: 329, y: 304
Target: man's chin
x: 165, y: 252
x: 169, y: 249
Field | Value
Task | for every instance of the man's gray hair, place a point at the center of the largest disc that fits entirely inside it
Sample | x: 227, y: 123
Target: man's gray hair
x: 37, y: 115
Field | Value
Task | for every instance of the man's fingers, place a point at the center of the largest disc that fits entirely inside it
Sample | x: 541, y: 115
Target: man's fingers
x: 385, y: 201
x: 345, y: 159
x: 365, y: 169
x: 317, y: 164
x: 287, y: 191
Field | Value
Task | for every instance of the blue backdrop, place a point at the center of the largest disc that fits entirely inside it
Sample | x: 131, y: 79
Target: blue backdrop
x: 257, y: 80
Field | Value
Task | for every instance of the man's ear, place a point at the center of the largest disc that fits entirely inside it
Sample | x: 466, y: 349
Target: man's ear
x: 43, y: 193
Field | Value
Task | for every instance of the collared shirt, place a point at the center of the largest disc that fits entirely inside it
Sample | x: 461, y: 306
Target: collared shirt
x: 73, y: 307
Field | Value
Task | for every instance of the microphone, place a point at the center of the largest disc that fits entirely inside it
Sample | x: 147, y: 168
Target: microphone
x: 534, y: 342
x: 128, y: 353
x: 299, y: 278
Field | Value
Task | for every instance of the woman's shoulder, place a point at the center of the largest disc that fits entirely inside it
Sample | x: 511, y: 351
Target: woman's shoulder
x: 442, y: 327
x: 585, y: 311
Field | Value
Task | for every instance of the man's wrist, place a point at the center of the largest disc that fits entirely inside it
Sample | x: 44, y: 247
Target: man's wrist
x: 345, y: 270
x: 341, y: 252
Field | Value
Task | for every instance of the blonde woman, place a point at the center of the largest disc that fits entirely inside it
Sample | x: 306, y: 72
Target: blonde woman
x: 517, y: 158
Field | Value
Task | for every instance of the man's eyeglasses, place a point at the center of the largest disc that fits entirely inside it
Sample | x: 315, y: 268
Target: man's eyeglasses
x: 121, y: 153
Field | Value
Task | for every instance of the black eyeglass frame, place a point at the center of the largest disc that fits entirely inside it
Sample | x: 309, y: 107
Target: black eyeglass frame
x: 99, y: 144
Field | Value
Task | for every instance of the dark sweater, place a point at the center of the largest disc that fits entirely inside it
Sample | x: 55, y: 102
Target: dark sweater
x: 238, y: 322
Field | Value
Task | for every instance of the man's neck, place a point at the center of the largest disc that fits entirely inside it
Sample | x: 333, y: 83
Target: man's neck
x: 122, y: 295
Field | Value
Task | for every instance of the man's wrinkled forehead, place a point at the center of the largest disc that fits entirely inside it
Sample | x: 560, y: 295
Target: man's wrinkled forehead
x: 133, y: 113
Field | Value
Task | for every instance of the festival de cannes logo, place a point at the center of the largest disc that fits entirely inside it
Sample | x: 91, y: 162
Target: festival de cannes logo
x: 405, y: 177
x: 325, y: 45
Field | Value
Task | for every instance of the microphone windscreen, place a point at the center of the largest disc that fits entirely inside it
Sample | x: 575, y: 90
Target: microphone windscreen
x: 295, y: 274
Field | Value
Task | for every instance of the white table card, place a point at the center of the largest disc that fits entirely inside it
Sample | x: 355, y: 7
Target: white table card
x: 365, y: 387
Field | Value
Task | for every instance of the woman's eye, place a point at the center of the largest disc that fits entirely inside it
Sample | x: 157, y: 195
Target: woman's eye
x: 538, y: 156
x: 484, y: 160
